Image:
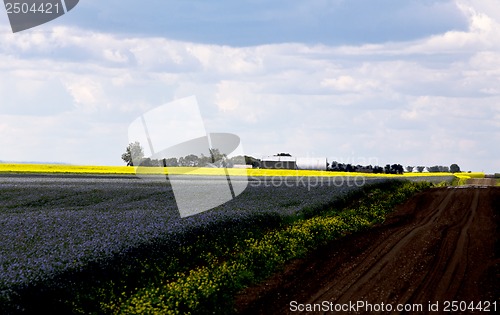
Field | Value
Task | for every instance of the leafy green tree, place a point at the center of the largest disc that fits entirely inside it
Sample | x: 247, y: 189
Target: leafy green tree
x: 215, y: 155
x: 444, y: 169
x: 239, y: 159
x: 454, y: 168
x: 191, y: 160
x: 433, y: 169
x: 397, y: 169
x: 204, y: 160
x: 250, y: 160
x: 171, y: 162
x: 387, y: 169
x: 133, y: 152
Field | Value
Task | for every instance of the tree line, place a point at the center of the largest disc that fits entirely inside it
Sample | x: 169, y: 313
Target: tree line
x: 388, y: 169
x: 134, y: 152
x: 393, y: 168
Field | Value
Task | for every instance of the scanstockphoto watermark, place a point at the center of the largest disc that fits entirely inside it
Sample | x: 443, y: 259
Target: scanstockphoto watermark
x: 176, y: 130
x: 356, y: 307
x: 26, y: 14
x: 309, y: 182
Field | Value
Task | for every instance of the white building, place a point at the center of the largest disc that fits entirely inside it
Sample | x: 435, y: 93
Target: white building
x: 292, y: 163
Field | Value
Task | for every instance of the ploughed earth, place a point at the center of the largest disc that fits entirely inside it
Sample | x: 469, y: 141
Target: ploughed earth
x: 440, y: 246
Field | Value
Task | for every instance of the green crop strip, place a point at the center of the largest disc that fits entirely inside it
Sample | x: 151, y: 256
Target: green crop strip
x: 221, y: 270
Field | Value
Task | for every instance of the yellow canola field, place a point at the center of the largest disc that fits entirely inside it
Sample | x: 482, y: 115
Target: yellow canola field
x: 62, y: 168
x: 469, y: 175
x: 206, y: 171
x: 463, y: 177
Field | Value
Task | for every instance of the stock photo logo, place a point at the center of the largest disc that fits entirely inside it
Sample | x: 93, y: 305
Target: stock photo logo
x: 26, y: 14
x: 176, y: 130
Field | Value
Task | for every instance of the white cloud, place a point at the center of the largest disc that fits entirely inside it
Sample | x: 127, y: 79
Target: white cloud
x: 86, y: 92
x: 62, y: 138
x: 407, y: 101
x: 115, y: 56
x: 346, y: 83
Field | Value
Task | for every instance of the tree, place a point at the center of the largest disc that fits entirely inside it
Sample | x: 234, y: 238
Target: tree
x: 181, y: 161
x: 397, y: 169
x: 170, y: 162
x: 133, y: 152
x: 203, y: 160
x: 250, y: 160
x: 454, y: 168
x: 420, y: 169
x: 444, y: 169
x: 433, y: 169
x: 191, y: 160
x: 146, y: 162
x: 387, y: 168
x: 239, y: 159
x: 215, y: 155
x: 409, y: 168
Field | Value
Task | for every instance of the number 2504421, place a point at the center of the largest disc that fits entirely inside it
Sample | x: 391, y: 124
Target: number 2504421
x: 32, y: 8
x: 462, y: 306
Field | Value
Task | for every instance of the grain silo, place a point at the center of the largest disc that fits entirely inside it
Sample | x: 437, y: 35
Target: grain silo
x: 311, y: 163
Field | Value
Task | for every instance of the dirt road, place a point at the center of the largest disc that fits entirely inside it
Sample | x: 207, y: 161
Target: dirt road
x: 442, y: 245
x: 481, y: 182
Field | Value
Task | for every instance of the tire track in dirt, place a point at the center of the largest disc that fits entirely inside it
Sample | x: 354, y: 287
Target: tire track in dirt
x: 438, y: 246
x: 379, y: 260
x: 451, y: 264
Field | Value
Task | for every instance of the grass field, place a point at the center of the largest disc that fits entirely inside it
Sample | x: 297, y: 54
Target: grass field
x: 203, y: 171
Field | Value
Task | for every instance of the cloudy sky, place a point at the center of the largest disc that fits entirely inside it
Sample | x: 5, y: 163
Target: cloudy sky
x: 358, y: 81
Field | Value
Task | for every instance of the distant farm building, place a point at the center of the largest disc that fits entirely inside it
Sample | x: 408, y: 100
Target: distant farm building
x: 279, y: 162
x: 293, y: 163
x: 242, y: 166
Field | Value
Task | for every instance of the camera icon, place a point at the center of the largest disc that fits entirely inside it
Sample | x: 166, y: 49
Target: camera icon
x: 176, y: 131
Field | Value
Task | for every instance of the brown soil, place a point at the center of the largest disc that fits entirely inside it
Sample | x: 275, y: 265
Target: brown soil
x: 442, y: 245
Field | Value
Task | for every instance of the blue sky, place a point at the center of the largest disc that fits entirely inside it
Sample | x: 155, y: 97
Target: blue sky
x: 410, y: 82
x: 246, y: 23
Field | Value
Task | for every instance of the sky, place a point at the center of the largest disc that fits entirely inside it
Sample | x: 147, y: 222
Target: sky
x: 359, y: 81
